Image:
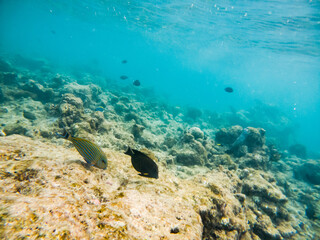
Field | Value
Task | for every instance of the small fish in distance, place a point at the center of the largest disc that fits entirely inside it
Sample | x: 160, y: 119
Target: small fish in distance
x: 143, y: 163
x: 91, y: 152
x: 123, y: 77
x: 99, y: 109
x: 136, y: 83
x: 124, y: 61
x: 228, y: 89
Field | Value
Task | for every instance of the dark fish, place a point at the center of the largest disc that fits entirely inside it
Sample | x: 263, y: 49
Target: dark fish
x: 228, y: 89
x: 124, y: 61
x: 123, y: 77
x: 91, y: 152
x: 142, y: 163
x: 53, y: 31
x: 136, y: 83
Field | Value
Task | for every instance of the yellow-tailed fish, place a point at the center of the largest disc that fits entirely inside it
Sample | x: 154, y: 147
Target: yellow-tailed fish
x: 143, y: 163
x: 91, y: 152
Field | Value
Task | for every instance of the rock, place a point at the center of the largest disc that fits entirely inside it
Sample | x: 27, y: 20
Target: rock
x: 196, y: 133
x: 57, y: 81
x: 241, y: 197
x: 313, y: 210
x: 257, y: 160
x: 228, y: 136
x: 43, y: 94
x: 120, y: 108
x: 309, y: 172
x: 88, y: 93
x: 132, y: 116
x: 8, y: 78
x: 189, y: 158
x: 125, y: 99
x: 248, y: 140
x: 299, y: 150
x: 265, y: 230
x: 169, y: 141
x: 71, y: 110
x: 16, y: 128
x: 256, y: 185
x: 255, y: 138
x: 96, y: 91
x: 286, y: 230
x: 191, y: 154
x: 222, y: 159
x: 137, y: 130
x: 2, y: 98
x: 239, y: 151
x: 29, y: 115
x: 45, y: 169
x: 148, y: 139
x: 188, y: 138
x: 274, y: 154
x: 96, y: 120
x: 270, y: 209
x: 225, y: 219
x: 72, y: 100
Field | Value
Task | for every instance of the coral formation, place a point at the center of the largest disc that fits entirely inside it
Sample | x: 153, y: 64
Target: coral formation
x: 51, y: 184
x: 220, y: 176
x: 309, y: 171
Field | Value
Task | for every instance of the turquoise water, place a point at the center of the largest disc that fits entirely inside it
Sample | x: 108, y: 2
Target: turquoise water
x: 187, y: 51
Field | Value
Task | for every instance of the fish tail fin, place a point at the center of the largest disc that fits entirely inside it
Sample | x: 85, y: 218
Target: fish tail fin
x: 65, y: 134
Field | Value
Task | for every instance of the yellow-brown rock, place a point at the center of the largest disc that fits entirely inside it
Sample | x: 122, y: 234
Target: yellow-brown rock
x: 48, y: 191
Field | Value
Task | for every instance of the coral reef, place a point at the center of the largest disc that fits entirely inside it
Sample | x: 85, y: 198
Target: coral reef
x: 48, y: 191
x: 220, y: 176
x: 309, y: 172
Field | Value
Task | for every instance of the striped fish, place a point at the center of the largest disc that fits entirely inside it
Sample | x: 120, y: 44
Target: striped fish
x: 91, y: 152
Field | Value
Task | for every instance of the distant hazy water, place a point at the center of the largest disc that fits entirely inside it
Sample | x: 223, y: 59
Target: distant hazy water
x: 188, y: 50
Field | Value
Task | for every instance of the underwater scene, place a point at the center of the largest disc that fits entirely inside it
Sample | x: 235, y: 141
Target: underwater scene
x: 160, y: 119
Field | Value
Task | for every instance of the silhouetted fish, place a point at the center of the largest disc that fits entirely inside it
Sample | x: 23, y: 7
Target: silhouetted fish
x: 228, y: 89
x: 136, y: 83
x: 142, y: 163
x: 124, y: 61
x: 123, y: 77
x: 91, y: 152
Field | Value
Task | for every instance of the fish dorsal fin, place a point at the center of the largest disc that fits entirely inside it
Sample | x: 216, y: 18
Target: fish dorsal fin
x: 129, y: 151
x: 65, y: 134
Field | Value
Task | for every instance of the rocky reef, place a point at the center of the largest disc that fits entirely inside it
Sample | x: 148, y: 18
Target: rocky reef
x: 220, y: 177
x: 48, y: 192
